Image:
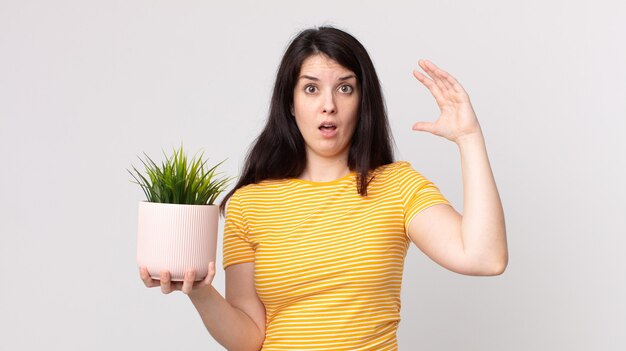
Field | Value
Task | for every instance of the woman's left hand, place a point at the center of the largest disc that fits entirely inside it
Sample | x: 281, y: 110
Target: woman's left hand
x: 457, y: 119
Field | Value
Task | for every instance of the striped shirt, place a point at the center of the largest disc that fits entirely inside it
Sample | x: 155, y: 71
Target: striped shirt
x: 328, y: 262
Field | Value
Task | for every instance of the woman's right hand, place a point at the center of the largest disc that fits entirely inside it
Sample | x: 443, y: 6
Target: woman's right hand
x: 188, y: 286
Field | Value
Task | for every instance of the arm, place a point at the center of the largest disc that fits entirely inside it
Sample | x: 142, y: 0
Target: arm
x: 474, y: 243
x: 237, y: 322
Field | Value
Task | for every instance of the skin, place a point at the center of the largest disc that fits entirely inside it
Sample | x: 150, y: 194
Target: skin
x: 473, y: 243
x: 326, y: 92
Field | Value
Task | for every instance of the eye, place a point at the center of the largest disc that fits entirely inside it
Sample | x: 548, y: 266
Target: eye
x: 310, y: 89
x: 345, y: 89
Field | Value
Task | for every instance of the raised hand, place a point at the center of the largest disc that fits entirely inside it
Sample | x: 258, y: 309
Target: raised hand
x: 457, y: 118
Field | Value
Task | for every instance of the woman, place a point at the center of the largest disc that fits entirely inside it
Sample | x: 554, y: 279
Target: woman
x: 318, y: 226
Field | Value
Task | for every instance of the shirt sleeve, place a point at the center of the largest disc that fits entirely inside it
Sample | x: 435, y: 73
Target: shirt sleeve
x: 417, y: 192
x: 237, y: 247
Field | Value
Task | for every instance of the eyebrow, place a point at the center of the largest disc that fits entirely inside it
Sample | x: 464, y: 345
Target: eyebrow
x: 317, y: 79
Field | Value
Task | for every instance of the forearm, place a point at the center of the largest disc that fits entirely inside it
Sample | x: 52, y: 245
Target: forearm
x: 230, y: 326
x: 483, y: 228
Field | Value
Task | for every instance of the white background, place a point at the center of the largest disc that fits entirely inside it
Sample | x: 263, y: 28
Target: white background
x: 86, y: 87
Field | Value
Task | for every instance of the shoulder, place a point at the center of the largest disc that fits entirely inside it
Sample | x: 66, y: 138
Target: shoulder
x: 394, y: 166
x: 400, y: 176
x: 394, y: 171
x: 258, y: 190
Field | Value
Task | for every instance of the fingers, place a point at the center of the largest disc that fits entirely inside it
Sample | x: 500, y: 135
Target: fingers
x: 439, y: 76
x: 190, y: 277
x: 436, y: 89
x: 147, y: 280
x: 167, y: 285
x: 424, y: 80
x: 452, y: 82
x: 424, y: 127
x: 211, y: 273
x: 435, y: 73
x: 166, y: 282
x: 442, y: 77
x: 191, y: 287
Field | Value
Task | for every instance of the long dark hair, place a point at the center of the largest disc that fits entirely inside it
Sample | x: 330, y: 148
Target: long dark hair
x: 279, y: 151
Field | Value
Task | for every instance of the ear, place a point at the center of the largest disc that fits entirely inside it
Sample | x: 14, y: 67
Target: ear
x: 293, y: 114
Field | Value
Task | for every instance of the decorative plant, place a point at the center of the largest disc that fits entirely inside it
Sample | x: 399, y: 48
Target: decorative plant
x: 180, y: 182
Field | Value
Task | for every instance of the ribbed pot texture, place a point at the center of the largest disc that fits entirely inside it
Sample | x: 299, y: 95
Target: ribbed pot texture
x: 176, y: 238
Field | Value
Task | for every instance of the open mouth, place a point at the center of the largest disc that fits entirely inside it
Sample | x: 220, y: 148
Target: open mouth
x: 327, y: 126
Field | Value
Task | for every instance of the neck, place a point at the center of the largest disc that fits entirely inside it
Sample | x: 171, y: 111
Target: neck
x: 324, y: 169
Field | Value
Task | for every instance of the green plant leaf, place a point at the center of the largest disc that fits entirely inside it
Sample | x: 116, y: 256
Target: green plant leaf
x: 180, y: 180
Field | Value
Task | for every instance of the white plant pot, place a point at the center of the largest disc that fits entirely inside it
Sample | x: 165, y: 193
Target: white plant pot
x: 176, y: 238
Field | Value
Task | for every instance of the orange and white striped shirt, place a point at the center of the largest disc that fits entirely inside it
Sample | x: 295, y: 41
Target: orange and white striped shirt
x: 328, y: 262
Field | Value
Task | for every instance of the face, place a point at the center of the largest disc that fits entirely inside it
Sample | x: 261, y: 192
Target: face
x: 325, y: 105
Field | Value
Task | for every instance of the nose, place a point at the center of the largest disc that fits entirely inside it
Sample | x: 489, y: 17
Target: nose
x: 329, y: 104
